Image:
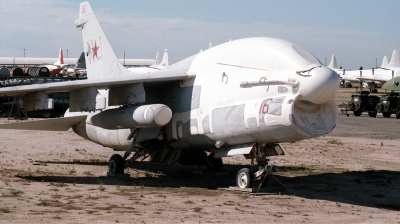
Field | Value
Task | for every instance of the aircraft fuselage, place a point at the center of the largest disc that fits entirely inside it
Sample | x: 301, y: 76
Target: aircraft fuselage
x: 219, y: 105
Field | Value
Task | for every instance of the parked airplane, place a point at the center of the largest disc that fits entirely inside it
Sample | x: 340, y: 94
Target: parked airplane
x: 69, y: 61
x: 243, y: 97
x: 58, y: 65
x: 375, y: 77
x: 155, y: 67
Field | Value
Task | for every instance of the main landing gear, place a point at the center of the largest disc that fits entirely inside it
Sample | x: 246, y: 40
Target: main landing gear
x: 256, y: 175
x: 116, y: 164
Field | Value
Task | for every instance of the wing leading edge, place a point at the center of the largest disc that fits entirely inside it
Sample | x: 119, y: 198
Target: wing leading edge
x: 157, y: 77
x: 55, y: 124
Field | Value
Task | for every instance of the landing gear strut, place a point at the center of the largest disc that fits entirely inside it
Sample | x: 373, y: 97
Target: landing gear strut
x: 144, y: 141
x: 214, y: 165
x: 256, y: 175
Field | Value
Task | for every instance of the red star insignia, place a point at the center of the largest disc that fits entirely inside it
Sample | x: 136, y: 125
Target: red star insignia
x: 94, y: 49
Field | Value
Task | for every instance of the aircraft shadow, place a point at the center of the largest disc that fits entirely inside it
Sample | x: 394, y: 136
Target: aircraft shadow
x: 378, y: 189
x: 374, y: 188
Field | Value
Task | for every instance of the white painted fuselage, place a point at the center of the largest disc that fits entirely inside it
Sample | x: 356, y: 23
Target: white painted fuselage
x: 296, y: 104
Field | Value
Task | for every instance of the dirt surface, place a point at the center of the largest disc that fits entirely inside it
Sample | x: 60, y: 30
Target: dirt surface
x: 349, y: 176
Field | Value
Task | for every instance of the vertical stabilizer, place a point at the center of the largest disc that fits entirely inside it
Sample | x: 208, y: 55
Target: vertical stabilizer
x: 81, y: 63
x: 60, y: 60
x: 165, y: 61
x: 384, y: 62
x: 157, y: 59
x: 101, y: 61
x: 333, y: 64
x: 394, y: 62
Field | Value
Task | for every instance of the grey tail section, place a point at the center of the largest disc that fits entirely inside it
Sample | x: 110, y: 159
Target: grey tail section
x: 81, y: 63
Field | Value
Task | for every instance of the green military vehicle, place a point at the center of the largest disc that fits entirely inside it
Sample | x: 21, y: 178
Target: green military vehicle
x: 389, y: 105
x: 363, y: 102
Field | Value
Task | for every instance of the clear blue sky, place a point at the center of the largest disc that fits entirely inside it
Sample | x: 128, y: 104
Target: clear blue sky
x: 356, y: 31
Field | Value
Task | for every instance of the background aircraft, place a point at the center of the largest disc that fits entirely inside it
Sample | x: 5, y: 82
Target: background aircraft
x: 70, y: 61
x: 58, y: 65
x: 242, y: 97
x: 375, y: 77
x: 155, y: 67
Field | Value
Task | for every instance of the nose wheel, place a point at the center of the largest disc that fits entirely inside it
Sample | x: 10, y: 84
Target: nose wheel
x: 256, y: 176
x: 244, y: 178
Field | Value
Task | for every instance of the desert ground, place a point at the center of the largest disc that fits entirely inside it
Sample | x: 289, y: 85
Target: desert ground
x: 351, y: 175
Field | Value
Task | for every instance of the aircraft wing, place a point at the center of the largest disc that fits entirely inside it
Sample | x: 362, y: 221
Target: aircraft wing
x: 371, y: 80
x: 54, y: 124
x: 156, y: 77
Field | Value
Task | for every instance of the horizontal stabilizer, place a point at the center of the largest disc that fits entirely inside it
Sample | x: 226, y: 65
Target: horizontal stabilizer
x: 55, y: 124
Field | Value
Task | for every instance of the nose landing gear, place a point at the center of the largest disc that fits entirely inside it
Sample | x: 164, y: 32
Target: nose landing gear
x: 256, y: 175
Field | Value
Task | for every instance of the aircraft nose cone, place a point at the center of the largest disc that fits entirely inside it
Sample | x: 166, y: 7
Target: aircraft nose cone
x: 320, y: 86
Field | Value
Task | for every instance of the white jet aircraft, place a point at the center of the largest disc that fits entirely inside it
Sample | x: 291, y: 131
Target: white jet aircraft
x: 243, y: 97
x: 375, y: 77
x: 155, y: 67
x: 58, y: 65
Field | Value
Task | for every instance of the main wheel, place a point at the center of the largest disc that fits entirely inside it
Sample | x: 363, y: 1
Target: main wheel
x: 357, y: 112
x: 386, y: 114
x: 371, y: 113
x: 116, y: 164
x: 397, y: 114
x: 244, y: 178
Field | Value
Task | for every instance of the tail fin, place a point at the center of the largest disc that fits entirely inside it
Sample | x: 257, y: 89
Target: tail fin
x: 384, y: 62
x: 333, y: 64
x: 101, y: 61
x: 165, y: 61
x: 60, y: 60
x: 81, y: 63
x: 157, y: 62
x: 394, y: 62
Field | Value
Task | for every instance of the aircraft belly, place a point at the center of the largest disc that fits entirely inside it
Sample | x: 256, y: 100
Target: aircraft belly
x: 115, y: 139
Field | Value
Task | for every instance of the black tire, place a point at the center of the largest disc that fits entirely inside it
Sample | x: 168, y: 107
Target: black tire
x: 244, y: 178
x: 386, y: 114
x: 214, y: 164
x: 397, y: 114
x: 116, y: 164
x: 377, y: 109
x: 357, y: 113
x: 371, y: 113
